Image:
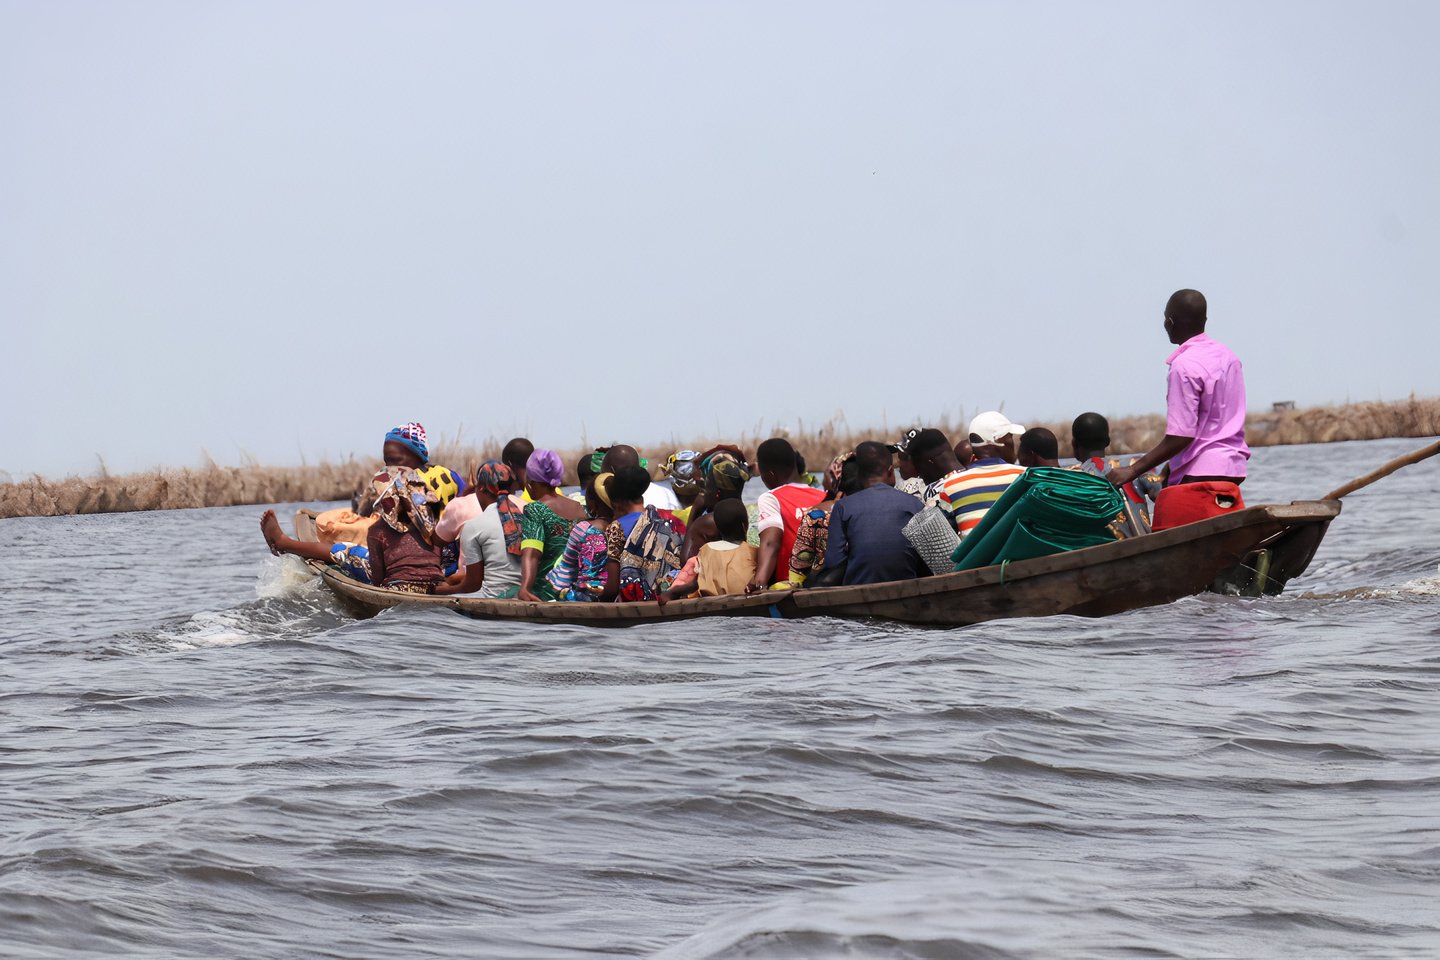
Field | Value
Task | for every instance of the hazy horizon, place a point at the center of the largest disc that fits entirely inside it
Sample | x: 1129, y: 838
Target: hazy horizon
x: 276, y: 230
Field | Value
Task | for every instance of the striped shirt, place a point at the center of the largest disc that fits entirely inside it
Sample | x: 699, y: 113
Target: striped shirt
x: 967, y: 495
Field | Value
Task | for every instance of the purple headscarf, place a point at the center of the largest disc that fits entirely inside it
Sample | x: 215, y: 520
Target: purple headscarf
x: 545, y: 466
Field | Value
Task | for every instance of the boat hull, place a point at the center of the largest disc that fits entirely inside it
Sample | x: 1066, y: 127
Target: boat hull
x: 1097, y: 581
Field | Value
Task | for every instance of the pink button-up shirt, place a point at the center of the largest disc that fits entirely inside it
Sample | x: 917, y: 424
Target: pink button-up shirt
x: 1205, y: 399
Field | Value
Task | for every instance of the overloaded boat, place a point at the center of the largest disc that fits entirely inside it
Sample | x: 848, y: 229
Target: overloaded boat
x: 1250, y: 552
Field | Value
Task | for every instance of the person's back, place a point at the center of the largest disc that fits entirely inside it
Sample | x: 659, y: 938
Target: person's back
x: 867, y: 527
x: 779, y: 511
x: 1204, y: 405
x: 483, y: 541
x: 402, y: 553
x: 967, y: 496
x: 725, y: 567
x: 400, y: 559
x: 1206, y: 397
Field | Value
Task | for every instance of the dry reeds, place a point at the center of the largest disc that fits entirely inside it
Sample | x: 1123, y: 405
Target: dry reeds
x: 211, y: 486
x: 216, y: 486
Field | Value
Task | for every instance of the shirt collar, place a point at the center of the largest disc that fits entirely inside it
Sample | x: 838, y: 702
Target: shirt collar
x: 987, y: 462
x: 1194, y: 341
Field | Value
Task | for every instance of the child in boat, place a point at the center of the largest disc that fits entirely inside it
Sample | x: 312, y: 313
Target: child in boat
x: 723, y: 566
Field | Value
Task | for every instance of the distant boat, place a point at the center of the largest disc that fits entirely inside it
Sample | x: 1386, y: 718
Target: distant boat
x: 1249, y: 552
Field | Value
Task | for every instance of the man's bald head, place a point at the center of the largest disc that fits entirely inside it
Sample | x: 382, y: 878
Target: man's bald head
x: 1185, y: 315
x: 619, y: 457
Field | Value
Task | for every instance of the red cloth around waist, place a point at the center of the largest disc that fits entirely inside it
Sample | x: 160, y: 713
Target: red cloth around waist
x: 1187, y: 502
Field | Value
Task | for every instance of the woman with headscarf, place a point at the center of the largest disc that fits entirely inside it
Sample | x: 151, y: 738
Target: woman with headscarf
x: 401, y: 549
x: 344, y: 534
x: 545, y: 523
x: 725, y: 473
x: 682, y: 468
x: 642, y: 546
x: 580, y: 574
x: 490, y: 543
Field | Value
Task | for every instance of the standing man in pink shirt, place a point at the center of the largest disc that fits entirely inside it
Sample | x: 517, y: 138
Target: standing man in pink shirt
x: 1204, y: 404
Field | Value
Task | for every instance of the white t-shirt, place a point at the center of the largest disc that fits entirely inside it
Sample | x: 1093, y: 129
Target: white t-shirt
x: 483, y: 540
x: 661, y: 497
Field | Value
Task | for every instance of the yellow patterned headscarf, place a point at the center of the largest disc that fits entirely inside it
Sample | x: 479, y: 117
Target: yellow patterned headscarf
x: 445, y: 483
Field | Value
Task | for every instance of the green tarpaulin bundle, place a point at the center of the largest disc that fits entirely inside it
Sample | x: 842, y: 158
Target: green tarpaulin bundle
x: 1046, y: 510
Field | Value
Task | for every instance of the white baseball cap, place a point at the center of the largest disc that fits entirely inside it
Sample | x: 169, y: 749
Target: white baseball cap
x: 993, y: 426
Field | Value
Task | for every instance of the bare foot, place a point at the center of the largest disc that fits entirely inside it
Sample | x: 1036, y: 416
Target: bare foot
x: 270, y: 527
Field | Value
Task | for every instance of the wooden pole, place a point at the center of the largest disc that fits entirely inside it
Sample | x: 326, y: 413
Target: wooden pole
x: 1385, y: 471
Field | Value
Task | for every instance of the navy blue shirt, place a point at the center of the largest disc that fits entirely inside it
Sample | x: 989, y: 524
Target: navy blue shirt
x: 865, y: 534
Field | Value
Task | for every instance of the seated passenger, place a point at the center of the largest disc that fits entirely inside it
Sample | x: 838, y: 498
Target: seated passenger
x: 490, y: 543
x: 910, y: 480
x: 779, y: 511
x: 1038, y: 448
x: 515, y: 454
x: 579, y: 574
x: 621, y: 456
x: 964, y: 453
x: 683, y: 472
x: 968, y: 497
x: 544, y: 524
x: 725, y: 476
x: 725, y: 565
x: 447, y: 485
x: 345, y: 534
x: 807, y: 557
x: 936, y: 462
x: 866, y: 537
x: 401, y: 549
x: 643, y: 548
x: 586, y: 468
x: 1089, y: 439
x: 458, y: 512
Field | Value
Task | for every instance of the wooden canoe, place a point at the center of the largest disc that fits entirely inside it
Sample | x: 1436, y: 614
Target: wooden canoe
x: 1111, y: 578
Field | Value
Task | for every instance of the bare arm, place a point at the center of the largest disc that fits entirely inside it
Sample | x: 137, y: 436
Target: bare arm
x: 376, y: 548
x: 765, y: 560
x: 473, y: 580
x: 612, y: 581
x: 680, y: 592
x: 529, y: 567
x: 1168, y: 448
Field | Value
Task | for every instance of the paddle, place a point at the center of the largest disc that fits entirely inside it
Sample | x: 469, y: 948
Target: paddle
x: 1385, y: 471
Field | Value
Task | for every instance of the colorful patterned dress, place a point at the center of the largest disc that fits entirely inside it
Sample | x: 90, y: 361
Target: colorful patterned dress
x: 579, y: 574
x: 545, y: 530
x: 646, y: 545
x: 809, y: 553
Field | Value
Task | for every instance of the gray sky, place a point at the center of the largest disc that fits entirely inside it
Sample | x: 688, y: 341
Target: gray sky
x: 280, y: 228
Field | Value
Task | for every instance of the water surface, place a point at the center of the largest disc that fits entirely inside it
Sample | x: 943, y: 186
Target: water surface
x: 203, y: 756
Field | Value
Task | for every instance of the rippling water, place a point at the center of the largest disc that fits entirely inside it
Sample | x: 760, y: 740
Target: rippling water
x: 202, y: 756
